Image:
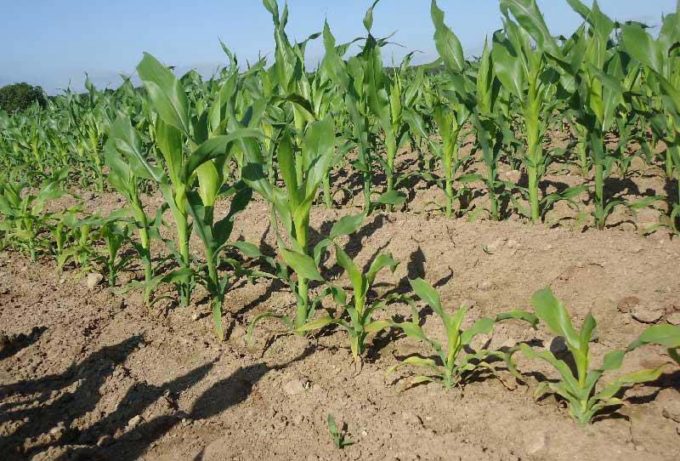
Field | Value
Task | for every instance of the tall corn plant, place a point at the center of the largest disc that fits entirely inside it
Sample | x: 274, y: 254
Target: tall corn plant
x: 191, y: 174
x: 521, y: 64
x: 128, y: 169
x: 662, y: 58
x: 457, y: 90
x: 362, y: 80
x: 592, y: 62
x: 302, y: 172
x: 487, y: 123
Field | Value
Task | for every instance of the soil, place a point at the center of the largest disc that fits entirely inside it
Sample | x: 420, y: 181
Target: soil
x: 94, y: 374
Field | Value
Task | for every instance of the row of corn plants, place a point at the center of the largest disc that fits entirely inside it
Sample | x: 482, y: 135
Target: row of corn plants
x: 294, y: 137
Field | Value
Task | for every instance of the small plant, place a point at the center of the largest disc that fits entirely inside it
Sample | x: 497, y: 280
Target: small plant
x: 453, y: 362
x: 23, y: 215
x: 359, y: 321
x: 339, y: 436
x: 115, y: 233
x: 579, y: 386
x: 303, y: 265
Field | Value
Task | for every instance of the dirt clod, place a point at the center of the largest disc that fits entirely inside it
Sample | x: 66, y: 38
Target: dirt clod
x: 93, y: 279
x: 647, y: 313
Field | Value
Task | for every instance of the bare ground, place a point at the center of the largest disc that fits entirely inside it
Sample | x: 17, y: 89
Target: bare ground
x: 94, y: 374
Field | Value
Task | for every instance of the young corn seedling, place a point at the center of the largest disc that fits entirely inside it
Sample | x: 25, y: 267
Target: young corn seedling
x: 454, y: 360
x: 79, y: 235
x: 23, y: 215
x: 115, y: 232
x: 338, y: 435
x: 579, y: 387
x: 360, y: 310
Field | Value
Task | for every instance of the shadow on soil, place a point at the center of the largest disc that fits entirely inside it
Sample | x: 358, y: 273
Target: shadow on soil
x: 45, y: 412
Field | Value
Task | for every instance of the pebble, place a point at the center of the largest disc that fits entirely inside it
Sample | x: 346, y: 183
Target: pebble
x: 238, y: 332
x: 93, y: 279
x: 485, y: 285
x: 104, y: 441
x: 536, y: 443
x: 195, y: 316
x: 411, y: 419
x: 626, y: 304
x: 134, y: 422
x: 294, y: 387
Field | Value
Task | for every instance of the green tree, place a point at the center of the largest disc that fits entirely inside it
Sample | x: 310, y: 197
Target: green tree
x: 20, y: 96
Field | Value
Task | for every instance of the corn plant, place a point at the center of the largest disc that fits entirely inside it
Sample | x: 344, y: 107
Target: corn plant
x: 592, y: 64
x: 363, y: 83
x: 23, y: 214
x: 662, y: 58
x: 579, y: 386
x: 453, y: 362
x: 488, y: 126
x: 458, y: 91
x: 338, y: 435
x: 190, y: 141
x: 128, y: 169
x: 302, y: 174
x: 357, y: 313
x: 522, y: 66
x: 303, y: 265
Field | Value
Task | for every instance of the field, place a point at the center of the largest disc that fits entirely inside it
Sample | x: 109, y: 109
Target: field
x: 472, y: 259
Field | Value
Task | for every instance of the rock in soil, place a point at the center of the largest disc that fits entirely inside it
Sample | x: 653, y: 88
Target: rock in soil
x: 93, y: 279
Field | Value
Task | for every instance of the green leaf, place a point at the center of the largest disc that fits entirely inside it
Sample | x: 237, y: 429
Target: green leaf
x: 346, y: 225
x: 166, y: 93
x: 518, y: 315
x: 302, y: 264
x: 666, y: 335
x: 215, y: 147
x: 355, y: 275
x: 551, y: 311
x: 640, y: 376
x: 380, y: 262
x: 530, y: 18
x: 248, y: 249
x: 481, y: 326
x: 368, y: 17
x: 421, y: 362
x: 448, y: 45
x: 641, y: 47
x: 392, y: 197
x: 508, y: 68
x: 287, y: 161
x: 612, y: 360
x: 318, y: 148
x: 125, y: 140
x: 316, y: 324
x: 427, y: 293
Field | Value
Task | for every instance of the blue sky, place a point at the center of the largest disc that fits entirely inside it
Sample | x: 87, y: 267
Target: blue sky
x: 52, y: 43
